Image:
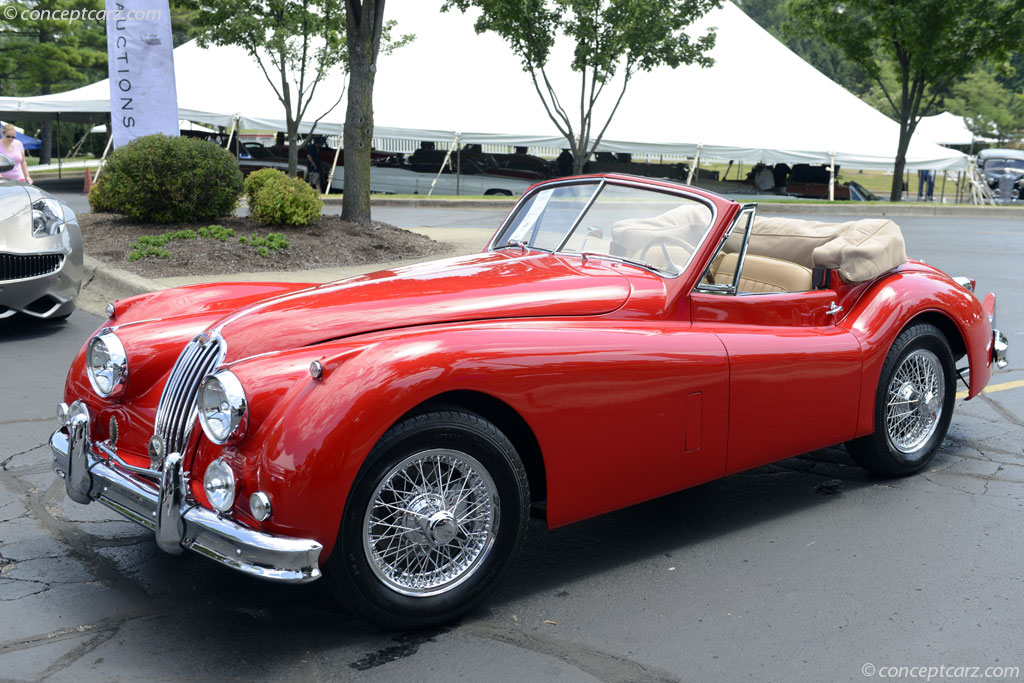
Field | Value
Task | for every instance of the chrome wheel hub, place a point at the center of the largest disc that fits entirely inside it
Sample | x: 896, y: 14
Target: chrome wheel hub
x: 431, y: 522
x: 914, y: 401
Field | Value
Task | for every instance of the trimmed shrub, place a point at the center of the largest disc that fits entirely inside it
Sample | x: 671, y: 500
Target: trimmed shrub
x: 286, y: 201
x: 161, y: 179
x: 254, y: 181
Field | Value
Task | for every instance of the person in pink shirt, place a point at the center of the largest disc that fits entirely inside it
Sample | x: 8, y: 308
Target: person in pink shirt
x: 11, y: 148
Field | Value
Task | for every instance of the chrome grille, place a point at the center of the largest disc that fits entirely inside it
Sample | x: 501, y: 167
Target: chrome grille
x: 177, y: 412
x: 19, y: 266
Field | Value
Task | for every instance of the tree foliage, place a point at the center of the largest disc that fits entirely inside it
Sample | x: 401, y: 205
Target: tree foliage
x: 991, y: 109
x: 927, y: 45
x: 612, y: 39
x: 296, y: 43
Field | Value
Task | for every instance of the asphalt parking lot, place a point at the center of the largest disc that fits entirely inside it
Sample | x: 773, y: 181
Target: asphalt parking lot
x: 806, y: 570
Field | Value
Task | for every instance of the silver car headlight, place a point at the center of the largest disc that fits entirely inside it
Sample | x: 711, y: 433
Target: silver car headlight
x: 107, y: 364
x: 222, y: 407
x: 47, y: 217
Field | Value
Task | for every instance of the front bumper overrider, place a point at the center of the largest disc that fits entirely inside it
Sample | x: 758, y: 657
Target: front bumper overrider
x: 164, y: 507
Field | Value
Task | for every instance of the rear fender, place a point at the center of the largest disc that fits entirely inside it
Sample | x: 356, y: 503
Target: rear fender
x: 893, y: 303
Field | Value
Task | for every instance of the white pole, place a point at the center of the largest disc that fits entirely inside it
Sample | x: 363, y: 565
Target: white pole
x: 231, y: 135
x: 831, y: 176
x: 334, y: 165
x: 696, y: 164
x: 447, y: 159
x: 106, y: 150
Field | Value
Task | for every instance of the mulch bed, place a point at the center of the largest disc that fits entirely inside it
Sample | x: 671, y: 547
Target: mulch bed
x: 330, y: 243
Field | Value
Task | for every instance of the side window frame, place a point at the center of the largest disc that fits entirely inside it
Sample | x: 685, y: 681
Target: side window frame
x: 746, y: 213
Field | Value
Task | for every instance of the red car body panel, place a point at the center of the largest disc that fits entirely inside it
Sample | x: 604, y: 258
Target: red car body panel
x: 630, y: 384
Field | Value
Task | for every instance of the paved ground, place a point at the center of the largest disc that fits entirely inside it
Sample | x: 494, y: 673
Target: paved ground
x: 807, y: 570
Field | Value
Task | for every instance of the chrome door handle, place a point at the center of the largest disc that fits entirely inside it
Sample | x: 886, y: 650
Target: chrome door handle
x: 833, y: 309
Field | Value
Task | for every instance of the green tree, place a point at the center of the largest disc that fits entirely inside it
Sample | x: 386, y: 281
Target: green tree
x: 612, y: 38
x: 40, y: 55
x: 928, y: 46
x: 295, y: 42
x: 990, y: 108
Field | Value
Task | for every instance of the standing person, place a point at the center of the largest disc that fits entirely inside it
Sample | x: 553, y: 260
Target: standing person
x: 15, y: 151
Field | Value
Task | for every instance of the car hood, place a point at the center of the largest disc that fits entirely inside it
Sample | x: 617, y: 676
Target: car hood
x: 493, y: 285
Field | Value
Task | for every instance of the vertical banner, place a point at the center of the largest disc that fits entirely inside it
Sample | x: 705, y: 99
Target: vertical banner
x: 140, y: 56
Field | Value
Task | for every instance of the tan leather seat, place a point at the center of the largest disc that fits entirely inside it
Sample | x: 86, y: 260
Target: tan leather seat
x: 763, y: 274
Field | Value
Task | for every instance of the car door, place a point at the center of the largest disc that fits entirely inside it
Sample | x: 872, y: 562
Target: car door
x: 794, y: 376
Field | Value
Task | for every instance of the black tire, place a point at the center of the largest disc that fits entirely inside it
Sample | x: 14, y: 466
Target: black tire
x: 383, y: 592
x: 909, y: 432
x: 497, y: 193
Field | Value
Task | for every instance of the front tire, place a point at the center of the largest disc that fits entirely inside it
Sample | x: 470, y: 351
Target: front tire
x: 913, y: 405
x: 433, y: 522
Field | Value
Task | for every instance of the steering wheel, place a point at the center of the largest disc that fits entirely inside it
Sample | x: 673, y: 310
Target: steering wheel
x: 664, y: 242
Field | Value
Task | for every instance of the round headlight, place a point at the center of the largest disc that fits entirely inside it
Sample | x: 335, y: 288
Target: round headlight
x: 107, y: 364
x: 219, y: 484
x: 222, y: 407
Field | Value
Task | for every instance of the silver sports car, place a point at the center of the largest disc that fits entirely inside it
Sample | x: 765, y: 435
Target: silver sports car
x: 40, y: 252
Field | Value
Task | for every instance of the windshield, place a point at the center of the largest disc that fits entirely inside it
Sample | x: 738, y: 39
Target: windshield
x: 993, y: 164
x: 655, y: 229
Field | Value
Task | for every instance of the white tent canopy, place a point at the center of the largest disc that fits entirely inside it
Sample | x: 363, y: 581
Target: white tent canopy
x: 944, y: 129
x: 214, y: 86
x: 760, y: 102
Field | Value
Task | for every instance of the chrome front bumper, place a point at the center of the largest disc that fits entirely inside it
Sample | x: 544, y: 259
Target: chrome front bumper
x: 999, y: 346
x: 179, y: 523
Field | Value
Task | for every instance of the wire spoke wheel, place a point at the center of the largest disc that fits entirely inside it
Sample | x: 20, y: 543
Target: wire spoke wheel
x: 431, y: 522
x: 915, y: 398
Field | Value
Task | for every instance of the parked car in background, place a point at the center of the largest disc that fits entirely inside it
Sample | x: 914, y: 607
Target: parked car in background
x: 621, y: 338
x: 997, y: 163
x: 40, y: 252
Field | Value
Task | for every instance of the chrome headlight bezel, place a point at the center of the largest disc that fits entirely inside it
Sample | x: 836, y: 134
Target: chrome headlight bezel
x: 109, y: 377
x: 47, y: 217
x: 223, y: 407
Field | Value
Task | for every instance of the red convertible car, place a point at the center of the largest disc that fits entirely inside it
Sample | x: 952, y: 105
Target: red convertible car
x: 620, y: 339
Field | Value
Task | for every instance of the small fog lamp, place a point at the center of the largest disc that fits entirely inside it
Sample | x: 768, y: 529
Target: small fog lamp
x: 259, y: 506
x: 219, y: 484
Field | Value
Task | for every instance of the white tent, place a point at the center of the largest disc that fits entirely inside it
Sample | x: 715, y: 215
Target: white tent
x: 214, y: 86
x: 944, y: 129
x: 760, y: 102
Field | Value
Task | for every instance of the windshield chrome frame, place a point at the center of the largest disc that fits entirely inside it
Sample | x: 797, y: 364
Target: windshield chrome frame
x: 734, y: 288
x: 601, y: 182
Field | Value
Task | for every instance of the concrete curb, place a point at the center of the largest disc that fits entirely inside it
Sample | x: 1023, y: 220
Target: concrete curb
x: 103, y: 284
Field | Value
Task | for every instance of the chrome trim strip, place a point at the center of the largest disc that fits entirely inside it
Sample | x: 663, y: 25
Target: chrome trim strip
x: 179, y: 523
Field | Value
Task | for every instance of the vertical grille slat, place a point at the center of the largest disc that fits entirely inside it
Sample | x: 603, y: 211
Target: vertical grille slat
x: 20, y: 266
x: 176, y: 414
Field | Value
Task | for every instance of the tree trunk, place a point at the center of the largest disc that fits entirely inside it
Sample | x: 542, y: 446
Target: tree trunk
x: 364, y: 22
x: 293, y: 145
x: 579, y: 157
x: 46, y: 143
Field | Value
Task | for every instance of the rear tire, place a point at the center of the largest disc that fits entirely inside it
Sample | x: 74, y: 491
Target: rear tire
x: 433, y: 522
x: 913, y: 405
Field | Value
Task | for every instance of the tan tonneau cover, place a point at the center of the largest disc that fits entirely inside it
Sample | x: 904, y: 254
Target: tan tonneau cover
x: 860, y: 250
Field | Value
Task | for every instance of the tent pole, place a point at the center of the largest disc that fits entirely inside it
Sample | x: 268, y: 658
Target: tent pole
x: 447, y: 160
x: 58, y: 146
x: 696, y: 164
x: 334, y: 165
x: 234, y: 120
x: 831, y: 176
x: 942, y: 192
x: 106, y: 150
x: 458, y: 169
